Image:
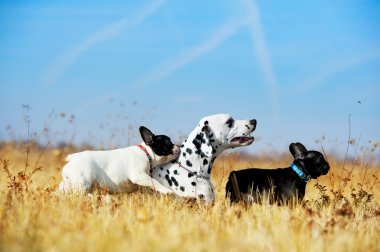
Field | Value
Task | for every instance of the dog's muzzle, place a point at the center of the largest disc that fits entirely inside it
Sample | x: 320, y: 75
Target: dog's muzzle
x: 325, y: 169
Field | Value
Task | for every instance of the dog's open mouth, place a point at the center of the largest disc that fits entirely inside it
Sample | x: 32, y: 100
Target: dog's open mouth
x: 244, y: 140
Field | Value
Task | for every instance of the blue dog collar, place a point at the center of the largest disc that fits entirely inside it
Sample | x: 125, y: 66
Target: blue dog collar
x: 303, y: 176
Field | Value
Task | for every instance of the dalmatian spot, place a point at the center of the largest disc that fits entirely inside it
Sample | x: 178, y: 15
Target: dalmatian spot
x: 198, y: 141
x: 175, y: 182
x: 168, y: 180
x: 183, y: 154
x: 161, y: 168
x: 193, y: 183
x: 175, y: 172
x: 205, y: 161
x: 230, y: 122
x: 188, y: 150
x: 188, y: 163
x: 190, y: 174
x: 182, y: 188
x: 159, y: 175
x: 167, y: 171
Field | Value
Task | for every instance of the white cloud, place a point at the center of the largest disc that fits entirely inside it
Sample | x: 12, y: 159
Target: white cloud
x: 112, y: 30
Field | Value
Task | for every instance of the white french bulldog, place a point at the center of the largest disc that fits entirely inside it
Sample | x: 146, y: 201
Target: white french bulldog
x: 119, y: 170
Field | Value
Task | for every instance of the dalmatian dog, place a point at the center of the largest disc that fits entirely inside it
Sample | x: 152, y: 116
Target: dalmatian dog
x: 280, y: 185
x: 119, y: 170
x: 189, y: 175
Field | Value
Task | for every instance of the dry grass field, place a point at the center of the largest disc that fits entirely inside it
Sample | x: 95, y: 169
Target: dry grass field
x: 341, y: 211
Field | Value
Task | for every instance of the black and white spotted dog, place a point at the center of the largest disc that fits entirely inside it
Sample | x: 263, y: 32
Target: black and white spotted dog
x: 280, y: 185
x: 189, y: 175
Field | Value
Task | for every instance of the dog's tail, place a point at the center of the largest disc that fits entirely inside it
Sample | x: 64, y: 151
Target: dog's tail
x: 232, y: 188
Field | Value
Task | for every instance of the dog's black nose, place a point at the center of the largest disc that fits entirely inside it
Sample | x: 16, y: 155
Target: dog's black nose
x: 253, y: 122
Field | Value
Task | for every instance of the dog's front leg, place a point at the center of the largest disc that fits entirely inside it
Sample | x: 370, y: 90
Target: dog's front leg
x: 146, y: 180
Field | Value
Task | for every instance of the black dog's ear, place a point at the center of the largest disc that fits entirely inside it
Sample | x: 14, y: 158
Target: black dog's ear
x: 147, y: 135
x: 297, y: 150
x: 302, y: 147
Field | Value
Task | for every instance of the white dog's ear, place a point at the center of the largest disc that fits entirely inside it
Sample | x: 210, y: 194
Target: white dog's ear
x: 202, y: 140
x: 297, y: 150
x: 147, y: 135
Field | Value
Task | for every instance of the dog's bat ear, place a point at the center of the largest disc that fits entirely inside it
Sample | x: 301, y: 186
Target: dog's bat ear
x: 297, y: 150
x: 147, y: 135
x: 302, y: 147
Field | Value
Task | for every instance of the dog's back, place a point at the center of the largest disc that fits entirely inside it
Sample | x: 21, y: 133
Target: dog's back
x: 256, y: 184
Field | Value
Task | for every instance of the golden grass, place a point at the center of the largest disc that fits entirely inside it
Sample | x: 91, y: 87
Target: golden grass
x: 33, y: 218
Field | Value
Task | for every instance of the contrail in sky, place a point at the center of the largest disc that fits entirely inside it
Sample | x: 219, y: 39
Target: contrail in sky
x: 112, y: 30
x: 171, y: 65
x: 167, y: 67
x: 225, y: 31
x: 262, y: 52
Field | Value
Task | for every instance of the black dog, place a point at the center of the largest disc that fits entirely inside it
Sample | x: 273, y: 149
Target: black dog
x: 281, y: 185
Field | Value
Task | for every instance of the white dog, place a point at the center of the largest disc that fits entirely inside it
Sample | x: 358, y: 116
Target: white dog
x: 119, y: 170
x: 189, y: 175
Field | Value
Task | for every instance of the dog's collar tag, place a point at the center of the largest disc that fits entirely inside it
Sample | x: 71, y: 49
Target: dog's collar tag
x: 147, y: 154
x: 301, y: 174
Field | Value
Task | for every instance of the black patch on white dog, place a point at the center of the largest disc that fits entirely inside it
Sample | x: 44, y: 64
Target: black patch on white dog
x: 198, y: 140
x: 168, y: 180
x: 230, y: 122
x: 175, y: 182
x: 188, y: 163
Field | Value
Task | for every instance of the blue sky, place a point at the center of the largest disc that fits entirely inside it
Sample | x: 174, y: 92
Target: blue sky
x: 298, y: 67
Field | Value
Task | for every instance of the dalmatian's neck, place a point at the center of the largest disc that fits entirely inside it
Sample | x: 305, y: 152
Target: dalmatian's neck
x: 195, y: 161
